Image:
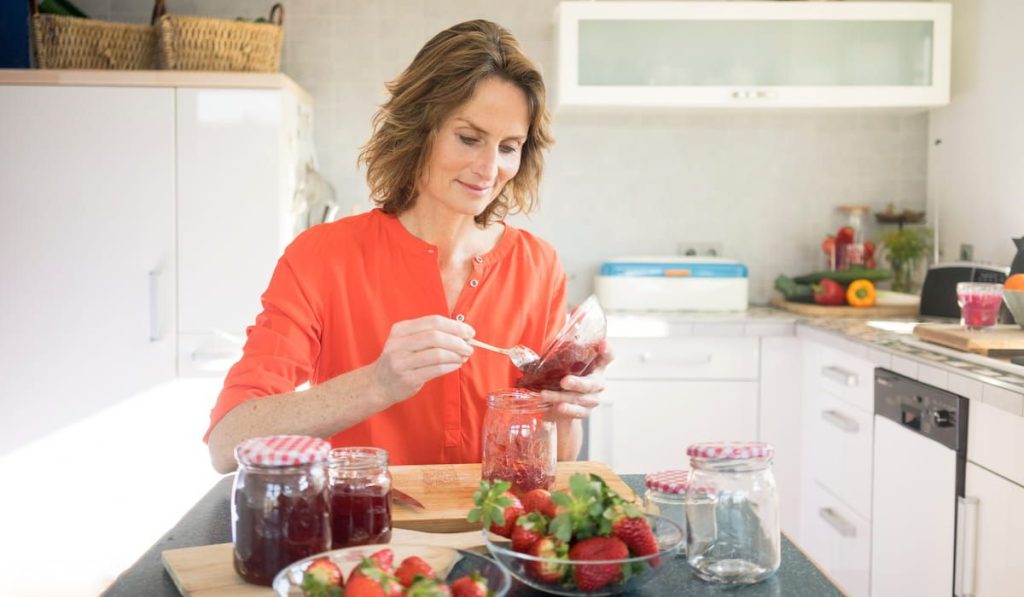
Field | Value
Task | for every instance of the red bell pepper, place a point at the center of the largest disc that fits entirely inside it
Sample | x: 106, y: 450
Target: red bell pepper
x: 829, y: 292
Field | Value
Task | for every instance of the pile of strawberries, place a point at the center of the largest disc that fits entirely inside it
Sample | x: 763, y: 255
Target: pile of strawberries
x: 588, y: 523
x: 376, y: 576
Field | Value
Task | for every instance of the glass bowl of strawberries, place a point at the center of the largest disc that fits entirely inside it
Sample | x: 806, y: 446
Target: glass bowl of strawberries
x: 393, y: 570
x: 584, y: 541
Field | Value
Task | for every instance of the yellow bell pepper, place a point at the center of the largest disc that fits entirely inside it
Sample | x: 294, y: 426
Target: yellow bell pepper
x: 860, y: 293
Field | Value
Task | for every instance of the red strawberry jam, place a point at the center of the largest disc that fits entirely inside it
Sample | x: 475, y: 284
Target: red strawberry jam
x: 568, y: 359
x: 360, y: 517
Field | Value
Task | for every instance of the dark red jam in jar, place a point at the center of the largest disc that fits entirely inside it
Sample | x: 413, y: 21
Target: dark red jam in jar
x: 279, y: 510
x: 360, y: 496
x: 520, y: 441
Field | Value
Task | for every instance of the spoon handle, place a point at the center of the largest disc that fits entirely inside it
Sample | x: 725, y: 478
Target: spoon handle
x: 485, y: 346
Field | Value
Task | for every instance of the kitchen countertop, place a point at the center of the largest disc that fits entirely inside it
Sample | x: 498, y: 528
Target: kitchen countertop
x: 975, y: 377
x: 208, y: 522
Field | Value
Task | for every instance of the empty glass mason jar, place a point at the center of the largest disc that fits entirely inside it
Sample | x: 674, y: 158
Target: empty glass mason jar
x: 732, y: 512
x: 666, y: 496
x: 279, y: 507
x: 520, y: 442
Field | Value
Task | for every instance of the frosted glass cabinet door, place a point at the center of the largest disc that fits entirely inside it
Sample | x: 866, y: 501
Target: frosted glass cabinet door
x: 86, y: 251
x: 736, y: 54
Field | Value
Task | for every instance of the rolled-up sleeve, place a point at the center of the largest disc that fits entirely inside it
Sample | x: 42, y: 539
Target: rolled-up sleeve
x: 281, y: 348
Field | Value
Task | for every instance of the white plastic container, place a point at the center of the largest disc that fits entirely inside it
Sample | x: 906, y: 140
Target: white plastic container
x: 672, y: 284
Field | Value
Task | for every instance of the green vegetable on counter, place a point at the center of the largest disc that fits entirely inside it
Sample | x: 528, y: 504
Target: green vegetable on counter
x: 855, y: 272
x: 793, y: 292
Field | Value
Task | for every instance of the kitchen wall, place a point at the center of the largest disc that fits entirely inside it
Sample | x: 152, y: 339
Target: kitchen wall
x: 976, y: 174
x: 763, y: 185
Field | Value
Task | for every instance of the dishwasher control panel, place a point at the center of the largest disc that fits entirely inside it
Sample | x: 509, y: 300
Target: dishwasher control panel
x: 930, y: 411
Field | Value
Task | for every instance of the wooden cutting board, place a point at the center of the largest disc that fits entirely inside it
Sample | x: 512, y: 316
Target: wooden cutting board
x: 996, y: 341
x: 845, y: 311
x: 208, y: 569
x: 445, y: 490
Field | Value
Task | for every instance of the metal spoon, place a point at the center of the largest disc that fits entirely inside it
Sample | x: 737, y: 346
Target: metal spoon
x: 520, y: 355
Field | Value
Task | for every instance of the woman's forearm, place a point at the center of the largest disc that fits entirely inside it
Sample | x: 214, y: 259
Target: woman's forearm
x: 321, y: 411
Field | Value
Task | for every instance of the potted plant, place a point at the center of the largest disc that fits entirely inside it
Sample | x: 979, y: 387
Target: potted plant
x: 904, y: 249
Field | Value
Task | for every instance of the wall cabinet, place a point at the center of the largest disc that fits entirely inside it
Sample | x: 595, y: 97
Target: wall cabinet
x: 88, y: 262
x: 754, y: 54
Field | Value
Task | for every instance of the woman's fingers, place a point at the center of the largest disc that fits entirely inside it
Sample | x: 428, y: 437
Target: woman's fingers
x: 430, y: 323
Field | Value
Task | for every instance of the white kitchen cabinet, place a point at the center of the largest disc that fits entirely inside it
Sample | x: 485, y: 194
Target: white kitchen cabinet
x: 87, y: 263
x: 837, y: 539
x: 664, y: 394
x: 992, y: 527
x: 780, y: 420
x: 238, y: 155
x: 754, y: 54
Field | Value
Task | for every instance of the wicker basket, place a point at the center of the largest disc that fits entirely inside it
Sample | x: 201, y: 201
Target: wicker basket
x: 73, y: 42
x: 201, y: 43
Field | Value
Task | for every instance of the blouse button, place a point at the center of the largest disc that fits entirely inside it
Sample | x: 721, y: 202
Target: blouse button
x: 460, y: 317
x: 474, y: 283
x: 478, y: 259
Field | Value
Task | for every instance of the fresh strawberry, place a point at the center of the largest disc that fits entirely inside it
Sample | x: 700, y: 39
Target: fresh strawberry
x: 412, y: 567
x: 326, y: 571
x: 363, y: 586
x: 495, y: 508
x: 539, y: 500
x: 371, y: 568
x: 470, y: 586
x: 548, y: 548
x: 428, y: 587
x: 591, y: 577
x: 636, y: 533
x: 384, y: 558
x: 529, y: 528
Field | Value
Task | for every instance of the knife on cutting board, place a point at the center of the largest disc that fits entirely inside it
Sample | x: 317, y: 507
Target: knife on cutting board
x: 404, y: 499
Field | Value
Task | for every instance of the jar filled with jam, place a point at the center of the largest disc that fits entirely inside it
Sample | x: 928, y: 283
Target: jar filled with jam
x: 360, y: 496
x: 520, y: 442
x: 279, y: 509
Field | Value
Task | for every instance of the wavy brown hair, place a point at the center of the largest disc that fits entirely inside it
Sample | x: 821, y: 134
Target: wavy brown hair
x: 443, y: 76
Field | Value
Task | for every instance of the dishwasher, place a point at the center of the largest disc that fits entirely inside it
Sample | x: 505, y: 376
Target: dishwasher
x: 920, y: 459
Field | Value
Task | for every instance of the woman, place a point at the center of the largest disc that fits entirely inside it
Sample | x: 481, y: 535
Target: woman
x: 375, y: 310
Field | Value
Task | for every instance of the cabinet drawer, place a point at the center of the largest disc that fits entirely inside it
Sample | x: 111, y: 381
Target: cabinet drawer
x: 837, y: 538
x: 684, y: 358
x: 840, y: 449
x: 842, y: 374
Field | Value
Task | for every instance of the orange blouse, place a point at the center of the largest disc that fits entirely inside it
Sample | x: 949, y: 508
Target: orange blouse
x: 339, y: 288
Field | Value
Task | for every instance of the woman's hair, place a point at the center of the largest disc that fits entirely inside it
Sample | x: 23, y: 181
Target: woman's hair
x: 442, y: 77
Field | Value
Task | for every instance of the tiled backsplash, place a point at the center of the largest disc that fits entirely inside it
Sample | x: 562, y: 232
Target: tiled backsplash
x: 617, y: 182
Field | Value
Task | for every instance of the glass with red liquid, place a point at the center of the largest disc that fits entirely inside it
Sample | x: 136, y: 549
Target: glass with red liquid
x: 979, y: 304
x: 520, y: 442
x: 574, y: 351
x: 279, y: 509
x: 360, y: 496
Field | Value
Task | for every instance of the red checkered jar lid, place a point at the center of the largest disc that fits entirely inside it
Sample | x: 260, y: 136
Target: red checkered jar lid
x: 671, y: 482
x: 731, y: 451
x: 282, y: 450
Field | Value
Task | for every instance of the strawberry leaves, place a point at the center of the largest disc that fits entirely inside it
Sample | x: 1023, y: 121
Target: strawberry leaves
x: 490, y: 502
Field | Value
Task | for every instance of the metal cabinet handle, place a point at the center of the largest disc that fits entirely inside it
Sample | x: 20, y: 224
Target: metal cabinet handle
x: 840, y: 524
x: 840, y: 375
x: 752, y: 94
x: 966, y: 546
x: 840, y: 420
x: 154, y: 305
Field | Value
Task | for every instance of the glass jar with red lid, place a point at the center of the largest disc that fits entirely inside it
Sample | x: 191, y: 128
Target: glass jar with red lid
x: 279, y: 509
x: 520, y: 441
x: 360, y: 496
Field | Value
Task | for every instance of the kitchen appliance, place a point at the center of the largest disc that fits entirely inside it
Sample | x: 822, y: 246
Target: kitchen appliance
x: 1017, y: 266
x: 938, y: 293
x: 920, y: 459
x: 672, y: 284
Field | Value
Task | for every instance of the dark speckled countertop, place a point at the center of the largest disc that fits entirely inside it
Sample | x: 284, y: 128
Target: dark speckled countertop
x: 208, y: 522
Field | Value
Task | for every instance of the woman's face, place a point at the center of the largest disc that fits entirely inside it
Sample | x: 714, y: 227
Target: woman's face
x: 477, y: 149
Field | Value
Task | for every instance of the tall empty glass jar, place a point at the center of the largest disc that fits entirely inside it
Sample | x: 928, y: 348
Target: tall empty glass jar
x: 520, y: 441
x: 360, y: 496
x: 732, y: 513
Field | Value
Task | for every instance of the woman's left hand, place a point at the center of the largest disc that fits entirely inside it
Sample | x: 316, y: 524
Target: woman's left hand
x: 579, y: 395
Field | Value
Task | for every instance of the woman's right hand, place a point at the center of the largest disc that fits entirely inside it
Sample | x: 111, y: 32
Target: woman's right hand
x: 418, y: 350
